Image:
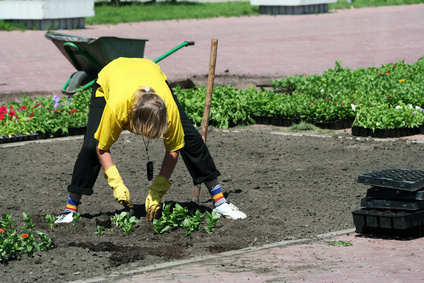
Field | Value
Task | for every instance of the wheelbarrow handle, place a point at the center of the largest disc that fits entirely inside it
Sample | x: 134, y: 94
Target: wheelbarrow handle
x: 185, y: 43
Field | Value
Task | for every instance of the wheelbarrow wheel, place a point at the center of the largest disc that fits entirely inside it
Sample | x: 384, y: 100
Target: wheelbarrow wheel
x: 77, y: 80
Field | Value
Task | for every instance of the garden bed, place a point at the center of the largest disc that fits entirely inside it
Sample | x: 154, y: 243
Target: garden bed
x: 291, y: 187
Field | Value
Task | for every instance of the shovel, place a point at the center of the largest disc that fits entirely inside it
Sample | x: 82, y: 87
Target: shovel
x: 208, y: 101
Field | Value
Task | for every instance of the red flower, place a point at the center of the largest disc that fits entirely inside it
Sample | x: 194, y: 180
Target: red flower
x: 310, y: 103
x: 36, y: 105
x: 336, y: 103
x: 32, y: 115
x: 73, y: 111
x: 394, y: 66
x: 2, y: 231
x: 1, y: 117
x: 3, y: 109
x: 342, y: 103
x: 11, y: 113
x: 379, y: 74
x: 24, y: 236
x: 10, y: 107
x: 56, y: 111
x: 23, y: 107
x: 387, y: 73
x: 326, y: 99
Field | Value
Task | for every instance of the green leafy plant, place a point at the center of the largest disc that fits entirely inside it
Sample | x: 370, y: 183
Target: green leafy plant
x: 50, y: 220
x: 193, y: 223
x: 179, y: 217
x: 76, y: 219
x: 211, y: 220
x: 100, y: 231
x: 125, y: 221
x: 14, y: 242
x: 375, y: 93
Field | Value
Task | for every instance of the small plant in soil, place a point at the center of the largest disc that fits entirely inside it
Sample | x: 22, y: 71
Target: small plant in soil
x: 77, y: 220
x: 125, y: 221
x: 211, y: 220
x: 100, y: 231
x: 14, y: 242
x: 50, y: 220
x: 193, y: 223
x: 179, y: 217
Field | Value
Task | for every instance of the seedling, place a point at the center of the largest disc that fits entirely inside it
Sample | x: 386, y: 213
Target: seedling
x: 100, y: 231
x: 126, y: 222
x: 16, y: 242
x: 77, y: 220
x: 179, y: 218
x: 193, y: 223
x: 211, y: 220
x: 50, y: 220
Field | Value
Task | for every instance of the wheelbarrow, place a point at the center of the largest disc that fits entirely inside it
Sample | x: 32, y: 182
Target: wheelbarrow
x: 90, y: 55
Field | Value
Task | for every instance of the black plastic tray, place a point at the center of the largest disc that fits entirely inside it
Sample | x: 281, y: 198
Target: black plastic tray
x: 401, y: 179
x: 386, y: 222
x: 387, y: 193
x: 410, y: 205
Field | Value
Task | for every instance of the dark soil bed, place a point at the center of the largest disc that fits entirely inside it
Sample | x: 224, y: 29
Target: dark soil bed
x: 290, y: 186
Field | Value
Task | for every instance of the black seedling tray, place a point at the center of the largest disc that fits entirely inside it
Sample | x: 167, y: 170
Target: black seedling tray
x: 387, y: 222
x: 410, y: 205
x: 387, y: 193
x: 400, y: 179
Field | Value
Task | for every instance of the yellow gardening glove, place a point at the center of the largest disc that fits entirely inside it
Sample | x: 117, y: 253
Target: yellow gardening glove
x: 120, y: 191
x: 154, y: 199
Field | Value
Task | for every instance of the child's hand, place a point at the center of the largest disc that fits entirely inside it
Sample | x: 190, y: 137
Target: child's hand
x: 154, y: 199
x: 120, y: 191
x: 122, y: 195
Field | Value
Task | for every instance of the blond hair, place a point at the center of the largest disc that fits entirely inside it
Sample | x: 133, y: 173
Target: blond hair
x: 150, y: 118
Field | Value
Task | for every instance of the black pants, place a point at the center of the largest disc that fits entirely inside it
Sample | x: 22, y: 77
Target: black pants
x: 195, y: 154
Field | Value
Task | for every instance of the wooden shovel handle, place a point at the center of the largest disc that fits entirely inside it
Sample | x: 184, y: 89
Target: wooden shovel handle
x: 209, y: 90
x: 208, y: 101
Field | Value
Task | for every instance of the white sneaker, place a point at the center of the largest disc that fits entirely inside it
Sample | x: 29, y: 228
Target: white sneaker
x: 229, y: 211
x: 65, y: 217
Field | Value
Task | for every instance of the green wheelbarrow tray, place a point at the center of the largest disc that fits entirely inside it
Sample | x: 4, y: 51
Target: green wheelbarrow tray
x: 90, y: 55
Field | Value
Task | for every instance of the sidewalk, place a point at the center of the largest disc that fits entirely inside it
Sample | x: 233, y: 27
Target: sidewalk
x: 254, y: 47
x: 366, y: 260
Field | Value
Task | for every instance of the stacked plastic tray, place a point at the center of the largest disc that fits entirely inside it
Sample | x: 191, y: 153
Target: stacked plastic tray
x: 394, y: 204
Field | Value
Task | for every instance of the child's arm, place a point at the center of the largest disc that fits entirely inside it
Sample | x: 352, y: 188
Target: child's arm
x: 120, y: 191
x: 168, y: 164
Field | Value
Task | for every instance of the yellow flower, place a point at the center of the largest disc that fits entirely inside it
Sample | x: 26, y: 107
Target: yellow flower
x: 322, y: 79
x: 402, y: 81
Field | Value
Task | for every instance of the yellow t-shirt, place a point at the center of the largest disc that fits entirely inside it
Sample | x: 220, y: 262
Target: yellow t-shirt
x: 118, y: 81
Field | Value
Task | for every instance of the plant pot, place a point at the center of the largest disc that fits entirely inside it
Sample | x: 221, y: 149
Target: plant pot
x: 421, y: 129
x: 33, y: 136
x: 42, y: 135
x: 355, y: 131
x: 258, y: 119
x: 266, y: 120
x: 22, y: 137
x: 287, y: 122
x: 363, y: 132
x: 382, y: 133
x: 277, y: 121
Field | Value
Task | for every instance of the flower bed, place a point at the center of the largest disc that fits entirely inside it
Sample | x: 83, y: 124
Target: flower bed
x: 385, y: 98
x: 43, y: 117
